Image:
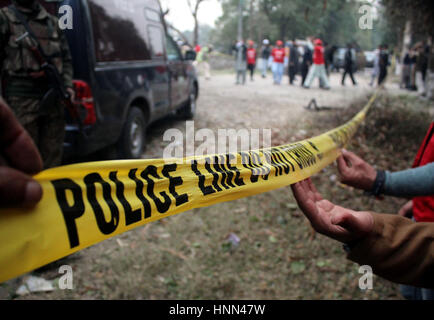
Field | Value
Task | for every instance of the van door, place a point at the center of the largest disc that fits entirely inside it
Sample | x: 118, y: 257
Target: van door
x: 177, y: 74
x: 159, y: 71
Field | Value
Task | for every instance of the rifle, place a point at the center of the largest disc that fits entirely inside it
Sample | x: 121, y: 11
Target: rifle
x: 49, y: 70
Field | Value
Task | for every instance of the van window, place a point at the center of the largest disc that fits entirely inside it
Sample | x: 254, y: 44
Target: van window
x: 156, y: 41
x: 118, y: 29
x: 173, y: 53
x: 153, y: 15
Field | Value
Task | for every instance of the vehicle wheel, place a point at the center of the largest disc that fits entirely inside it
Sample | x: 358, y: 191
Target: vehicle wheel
x: 133, y: 140
x: 189, y: 110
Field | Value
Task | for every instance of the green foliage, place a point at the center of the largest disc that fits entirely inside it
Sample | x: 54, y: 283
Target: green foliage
x: 335, y: 21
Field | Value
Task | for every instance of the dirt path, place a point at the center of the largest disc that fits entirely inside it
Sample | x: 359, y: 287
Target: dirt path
x: 258, y: 105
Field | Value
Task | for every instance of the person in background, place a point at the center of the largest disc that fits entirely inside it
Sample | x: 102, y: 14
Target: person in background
x: 240, y: 62
x: 318, y: 68
x: 384, y: 64
x: 306, y: 63
x: 251, y: 59
x: 349, y: 65
x: 293, y: 61
x: 421, y: 69
x: 330, y: 54
x: 376, y: 68
x: 203, y: 61
x: 413, y: 60
x: 406, y: 71
x: 265, y: 55
x: 278, y: 55
x: 25, y: 85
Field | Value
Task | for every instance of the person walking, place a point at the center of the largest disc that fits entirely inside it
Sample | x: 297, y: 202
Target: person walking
x: 28, y: 32
x: 306, y: 63
x: 203, y: 61
x: 251, y: 59
x: 376, y: 68
x: 265, y: 56
x: 241, y: 62
x: 293, y: 62
x: 318, y: 68
x: 384, y: 64
x: 406, y: 71
x: 349, y: 65
x: 278, y: 55
x: 421, y: 69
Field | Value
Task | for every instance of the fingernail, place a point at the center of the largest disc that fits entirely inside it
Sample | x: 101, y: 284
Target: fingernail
x: 33, y: 193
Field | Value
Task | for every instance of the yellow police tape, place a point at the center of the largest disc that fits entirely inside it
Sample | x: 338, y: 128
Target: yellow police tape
x: 87, y: 203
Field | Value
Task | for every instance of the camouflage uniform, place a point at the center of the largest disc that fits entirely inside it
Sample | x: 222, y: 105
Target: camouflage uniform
x: 23, y: 83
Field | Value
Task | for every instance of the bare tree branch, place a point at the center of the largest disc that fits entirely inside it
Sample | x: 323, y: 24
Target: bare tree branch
x: 180, y: 33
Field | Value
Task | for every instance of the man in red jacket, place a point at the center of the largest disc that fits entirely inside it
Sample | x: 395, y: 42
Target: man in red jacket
x: 251, y: 59
x: 278, y: 67
x: 318, y: 68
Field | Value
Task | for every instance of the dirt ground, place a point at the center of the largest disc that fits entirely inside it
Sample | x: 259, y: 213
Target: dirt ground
x: 278, y: 255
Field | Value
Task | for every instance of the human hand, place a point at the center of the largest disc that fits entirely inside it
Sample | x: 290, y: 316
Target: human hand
x: 19, y: 158
x: 333, y: 221
x: 406, y: 210
x: 355, y: 172
x: 72, y: 94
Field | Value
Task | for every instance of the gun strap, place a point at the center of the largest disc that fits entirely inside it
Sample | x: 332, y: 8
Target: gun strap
x: 24, y: 22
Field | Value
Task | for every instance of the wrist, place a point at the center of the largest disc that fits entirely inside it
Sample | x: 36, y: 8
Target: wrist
x: 377, y: 188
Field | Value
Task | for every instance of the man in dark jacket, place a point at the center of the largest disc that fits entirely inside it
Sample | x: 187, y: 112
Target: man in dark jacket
x: 307, y: 62
x: 293, y: 61
x: 265, y: 56
x: 349, y: 65
x: 384, y: 64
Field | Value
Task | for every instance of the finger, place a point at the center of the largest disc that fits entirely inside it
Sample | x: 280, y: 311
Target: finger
x: 316, y: 194
x: 305, y: 201
x: 351, y: 157
x: 17, y: 146
x: 343, y: 166
x: 301, y: 195
x: 18, y: 189
x: 347, y: 221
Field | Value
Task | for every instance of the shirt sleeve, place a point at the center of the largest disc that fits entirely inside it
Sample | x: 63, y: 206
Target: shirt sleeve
x: 410, y: 183
x: 68, y: 71
x: 399, y: 250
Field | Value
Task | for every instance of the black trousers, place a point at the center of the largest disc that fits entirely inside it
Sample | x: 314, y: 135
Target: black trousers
x: 304, y: 72
x: 292, y: 71
x: 348, y: 70
x: 382, y: 76
x: 251, y: 68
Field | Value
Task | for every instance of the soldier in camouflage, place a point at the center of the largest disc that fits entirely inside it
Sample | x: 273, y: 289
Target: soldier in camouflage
x: 24, y: 85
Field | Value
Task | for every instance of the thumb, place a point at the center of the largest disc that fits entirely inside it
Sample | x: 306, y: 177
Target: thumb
x: 18, y: 189
x: 347, y: 221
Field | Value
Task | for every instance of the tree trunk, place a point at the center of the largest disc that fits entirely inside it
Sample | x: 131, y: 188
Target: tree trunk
x: 196, y: 31
x: 251, y: 20
x: 406, y: 42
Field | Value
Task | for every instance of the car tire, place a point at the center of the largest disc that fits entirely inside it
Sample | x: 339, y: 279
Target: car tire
x: 189, y: 110
x: 132, y: 143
